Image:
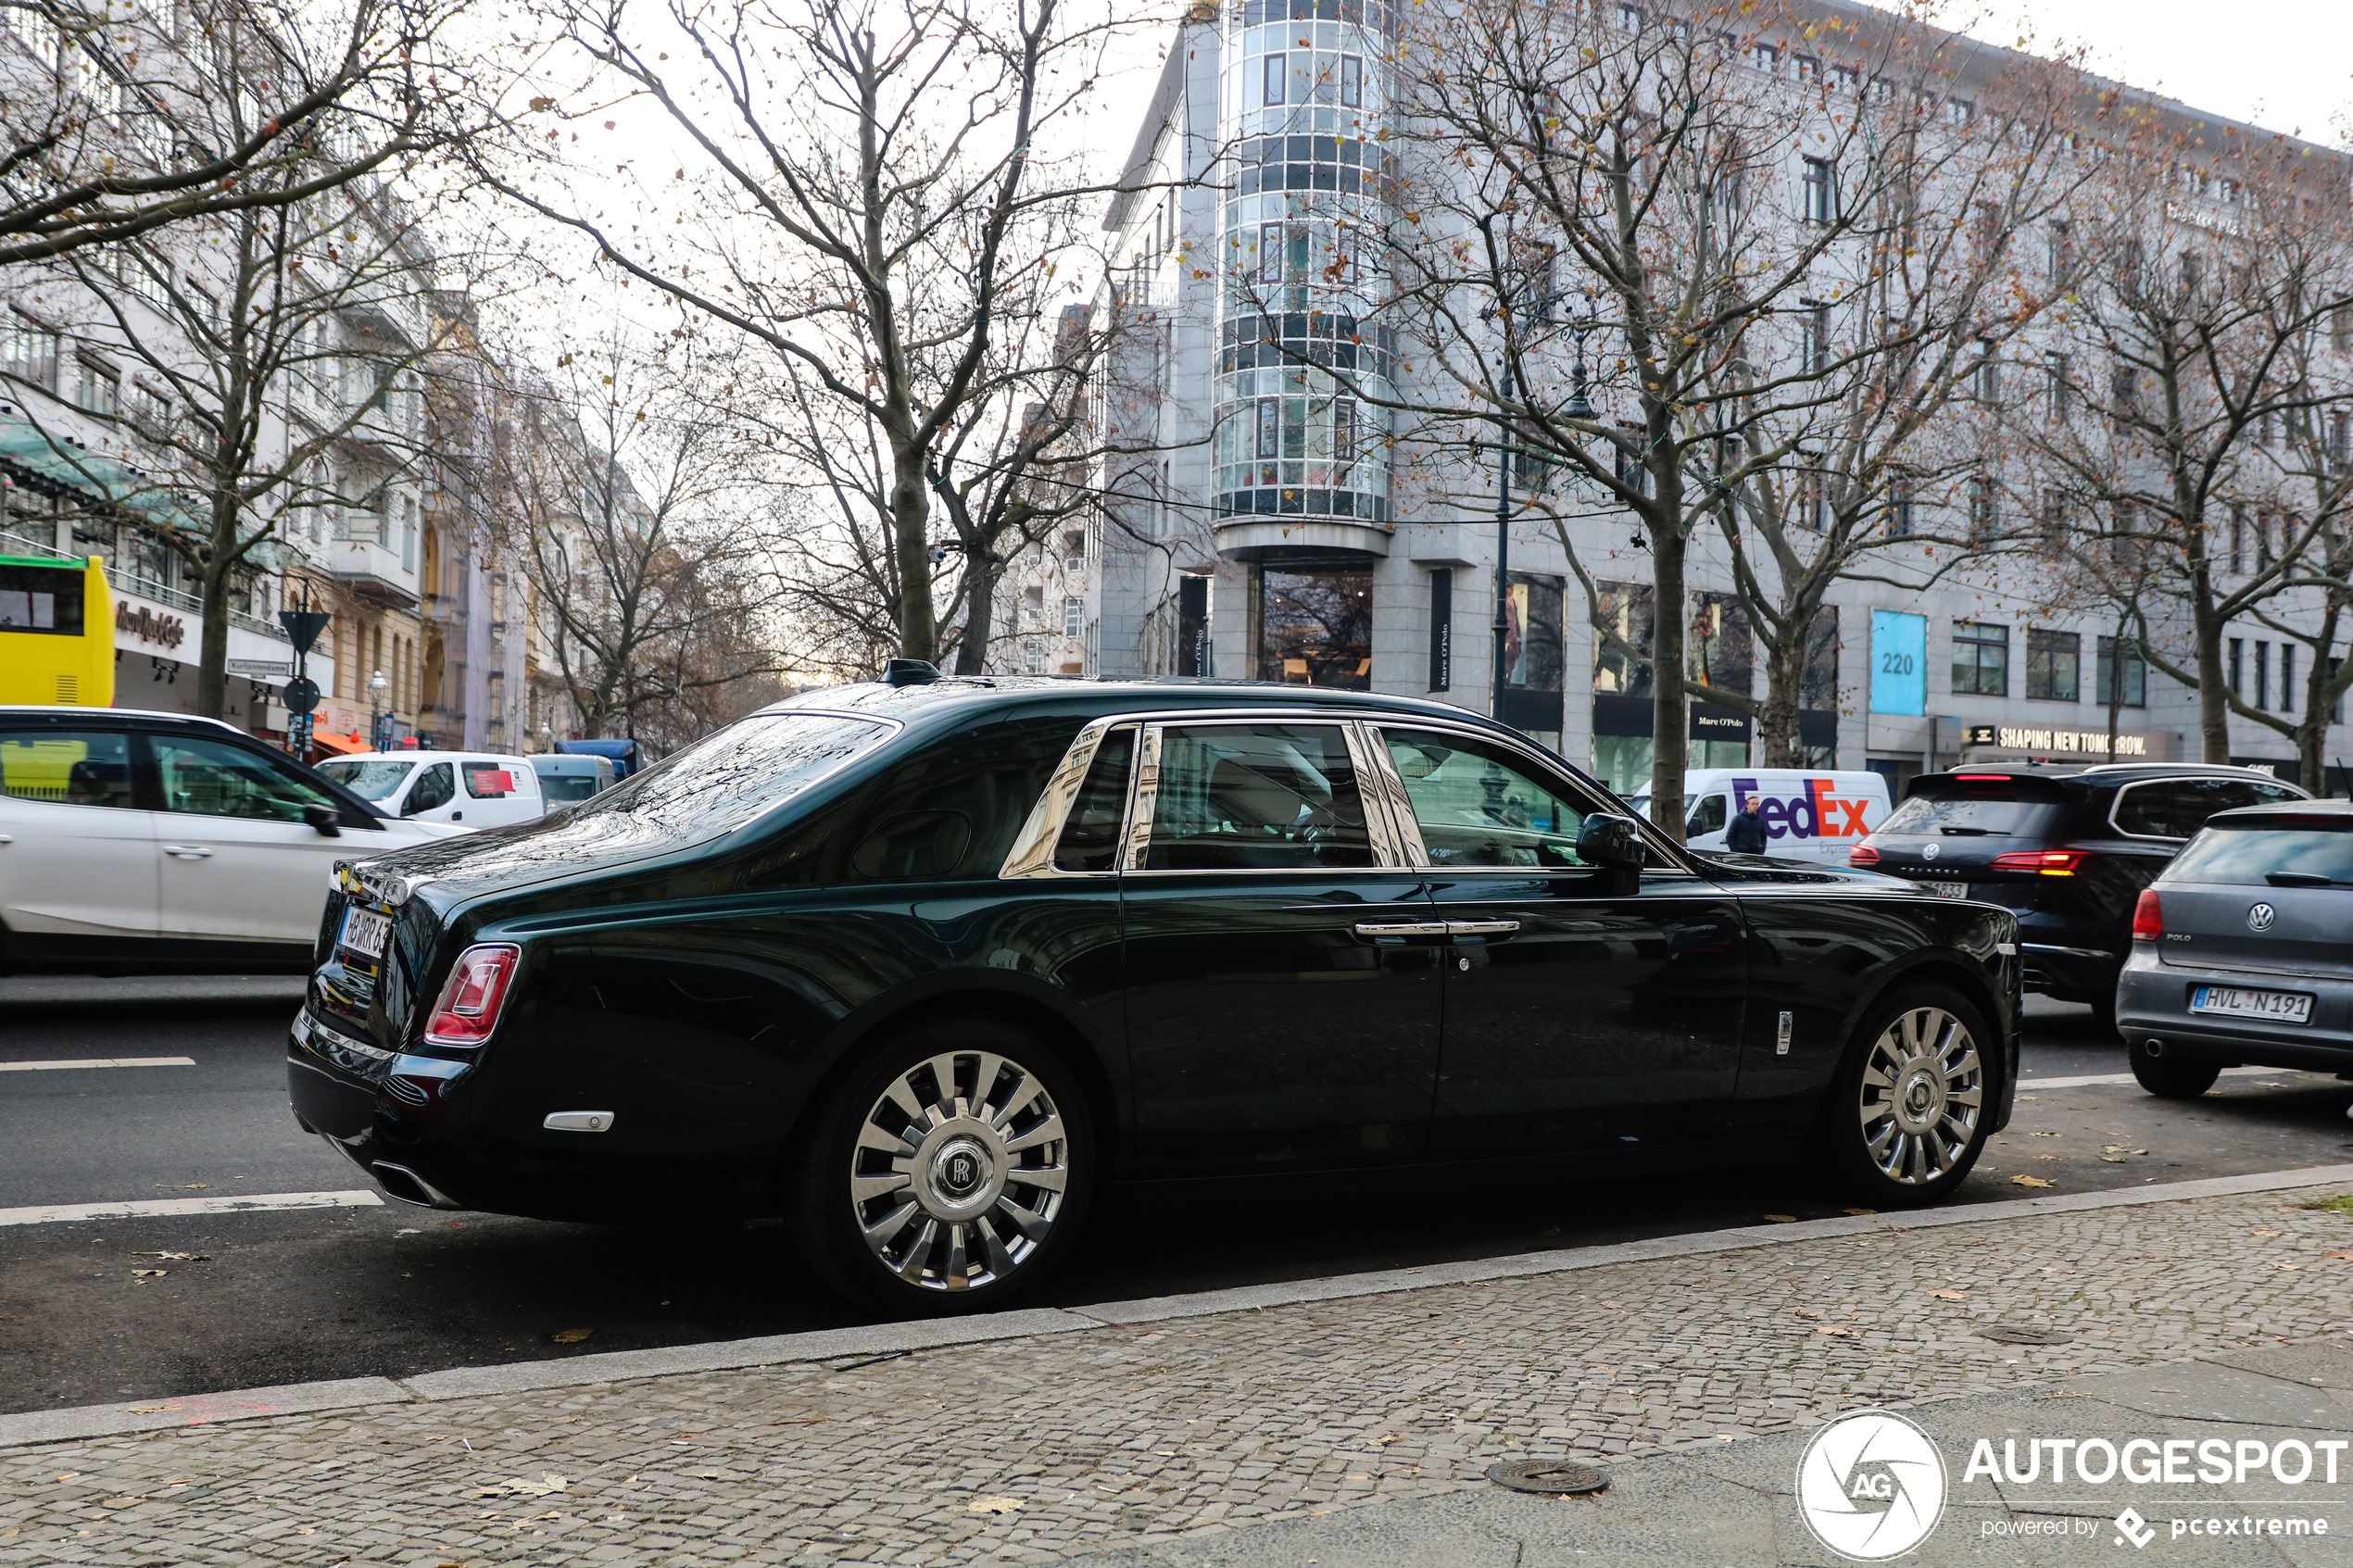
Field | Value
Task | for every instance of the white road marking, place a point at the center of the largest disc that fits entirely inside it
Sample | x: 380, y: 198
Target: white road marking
x: 2100, y: 1078
x: 97, y: 1061
x: 164, y: 1206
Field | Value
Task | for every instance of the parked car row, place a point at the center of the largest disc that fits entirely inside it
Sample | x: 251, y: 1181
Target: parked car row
x: 152, y: 842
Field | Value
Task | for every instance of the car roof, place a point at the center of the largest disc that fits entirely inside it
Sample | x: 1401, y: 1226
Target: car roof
x: 428, y: 756
x: 2289, y: 810
x: 955, y: 696
x: 145, y: 715
x: 563, y: 761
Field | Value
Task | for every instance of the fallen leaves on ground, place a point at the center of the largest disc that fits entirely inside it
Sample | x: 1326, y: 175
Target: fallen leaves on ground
x: 573, y: 1336
x: 1948, y: 1294
x: 1782, y: 1219
x: 1833, y: 1328
x: 992, y: 1505
x: 2267, y: 1233
x: 2337, y: 1254
x: 1804, y: 1313
x: 176, y: 1257
x: 1862, y: 1210
x: 149, y: 1273
x: 549, y: 1482
x: 2030, y: 1182
x: 182, y: 1186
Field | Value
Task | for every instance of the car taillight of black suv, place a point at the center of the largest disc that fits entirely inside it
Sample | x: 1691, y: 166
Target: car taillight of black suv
x: 2069, y: 849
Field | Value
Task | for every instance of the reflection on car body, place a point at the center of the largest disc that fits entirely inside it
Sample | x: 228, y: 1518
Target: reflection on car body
x: 921, y: 966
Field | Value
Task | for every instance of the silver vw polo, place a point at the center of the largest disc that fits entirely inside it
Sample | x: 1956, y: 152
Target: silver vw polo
x: 2243, y: 950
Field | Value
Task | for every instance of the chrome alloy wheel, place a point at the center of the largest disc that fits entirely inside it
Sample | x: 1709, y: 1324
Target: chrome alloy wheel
x: 961, y: 1166
x: 1923, y: 1089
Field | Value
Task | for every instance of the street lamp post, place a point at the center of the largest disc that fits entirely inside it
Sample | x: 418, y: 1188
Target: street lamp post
x: 376, y: 684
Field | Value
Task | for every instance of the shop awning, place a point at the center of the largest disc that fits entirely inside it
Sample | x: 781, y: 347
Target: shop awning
x: 326, y: 740
x: 53, y: 465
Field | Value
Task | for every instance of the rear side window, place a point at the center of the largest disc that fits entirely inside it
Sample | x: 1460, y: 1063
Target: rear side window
x: 488, y: 780
x: 1257, y: 797
x: 2247, y: 854
x: 66, y: 767
x: 948, y: 814
x: 1970, y: 816
x: 2178, y: 807
x: 1090, y: 835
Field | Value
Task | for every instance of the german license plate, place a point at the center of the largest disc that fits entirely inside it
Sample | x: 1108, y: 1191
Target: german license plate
x: 1945, y: 889
x: 2278, y: 1007
x: 365, y: 931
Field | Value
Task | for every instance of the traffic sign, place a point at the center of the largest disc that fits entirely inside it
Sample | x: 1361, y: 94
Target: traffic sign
x: 301, y: 694
x: 303, y: 626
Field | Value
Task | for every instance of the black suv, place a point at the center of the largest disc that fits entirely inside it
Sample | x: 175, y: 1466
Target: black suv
x: 2069, y: 849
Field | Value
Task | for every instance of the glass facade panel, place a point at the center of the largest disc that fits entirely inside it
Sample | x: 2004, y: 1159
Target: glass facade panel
x: 1316, y: 628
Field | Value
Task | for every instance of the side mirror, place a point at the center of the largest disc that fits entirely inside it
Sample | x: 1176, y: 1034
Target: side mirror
x: 1614, y: 842
x: 326, y: 819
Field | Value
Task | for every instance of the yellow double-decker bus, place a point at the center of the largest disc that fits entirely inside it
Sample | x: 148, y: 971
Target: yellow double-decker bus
x: 57, y: 632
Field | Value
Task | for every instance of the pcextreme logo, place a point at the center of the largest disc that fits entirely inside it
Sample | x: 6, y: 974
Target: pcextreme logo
x: 1816, y: 814
x: 1871, y: 1486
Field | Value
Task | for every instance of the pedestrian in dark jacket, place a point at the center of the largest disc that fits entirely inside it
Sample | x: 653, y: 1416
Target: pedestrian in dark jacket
x: 1746, y: 833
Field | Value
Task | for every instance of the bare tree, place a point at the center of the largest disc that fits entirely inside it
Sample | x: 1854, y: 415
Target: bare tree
x: 2212, y: 274
x: 118, y: 122
x: 621, y: 502
x: 871, y: 204
x: 1688, y: 189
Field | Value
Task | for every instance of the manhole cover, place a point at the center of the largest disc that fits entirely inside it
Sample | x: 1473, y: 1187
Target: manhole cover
x: 1553, y: 1477
x: 2020, y: 1333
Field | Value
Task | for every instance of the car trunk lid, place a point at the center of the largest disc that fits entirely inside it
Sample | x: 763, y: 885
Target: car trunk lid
x: 2270, y: 895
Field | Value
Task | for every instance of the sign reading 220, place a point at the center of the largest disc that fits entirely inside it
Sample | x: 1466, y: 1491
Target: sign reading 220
x: 1899, y: 662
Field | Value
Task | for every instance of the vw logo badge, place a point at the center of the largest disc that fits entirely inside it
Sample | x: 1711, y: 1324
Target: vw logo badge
x: 1930, y: 851
x: 2260, y: 917
x: 1871, y: 1486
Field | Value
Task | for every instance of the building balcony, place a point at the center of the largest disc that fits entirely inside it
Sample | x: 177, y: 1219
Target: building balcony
x: 373, y: 571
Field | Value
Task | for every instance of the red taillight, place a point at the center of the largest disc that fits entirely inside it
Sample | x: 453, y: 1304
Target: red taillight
x: 2046, y: 862
x: 2148, y: 918
x: 468, y: 1008
x: 1862, y: 855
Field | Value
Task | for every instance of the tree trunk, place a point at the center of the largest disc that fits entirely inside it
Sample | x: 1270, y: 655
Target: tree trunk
x: 1784, y: 687
x: 980, y: 603
x: 212, y: 651
x: 910, y: 518
x: 1670, y: 724
x: 2213, y: 707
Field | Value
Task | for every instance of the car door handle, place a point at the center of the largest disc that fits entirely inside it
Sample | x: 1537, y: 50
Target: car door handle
x: 1402, y: 928
x: 1481, y: 927
x: 188, y: 851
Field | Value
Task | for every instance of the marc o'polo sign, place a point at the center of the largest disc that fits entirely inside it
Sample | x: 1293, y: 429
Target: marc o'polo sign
x: 150, y: 626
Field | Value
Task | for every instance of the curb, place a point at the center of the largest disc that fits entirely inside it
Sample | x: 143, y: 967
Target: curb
x: 896, y: 1338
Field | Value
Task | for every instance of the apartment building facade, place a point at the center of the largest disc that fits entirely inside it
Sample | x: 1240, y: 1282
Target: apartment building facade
x: 1286, y: 534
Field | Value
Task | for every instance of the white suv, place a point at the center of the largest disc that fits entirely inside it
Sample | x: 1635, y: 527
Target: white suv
x: 136, y: 842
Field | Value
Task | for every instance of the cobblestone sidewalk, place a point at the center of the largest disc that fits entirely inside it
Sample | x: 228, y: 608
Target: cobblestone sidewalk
x: 1028, y: 1449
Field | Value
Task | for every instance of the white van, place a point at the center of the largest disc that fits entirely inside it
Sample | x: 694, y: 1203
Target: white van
x: 1808, y: 815
x: 565, y: 777
x: 472, y: 789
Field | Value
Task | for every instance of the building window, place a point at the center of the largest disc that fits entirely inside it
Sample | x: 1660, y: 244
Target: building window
x: 2340, y: 440
x: 29, y: 353
x: 1765, y: 57
x: 1073, y: 552
x: 2053, y: 663
x: 2263, y: 674
x: 1813, y: 340
x: 1899, y: 504
x: 1033, y: 657
x: 1270, y: 428
x: 2238, y: 539
x: 1352, y: 81
x: 1820, y: 192
x: 2237, y: 666
x: 1344, y: 429
x: 1807, y: 67
x: 1270, y: 253
x: 1073, y: 616
x: 1984, y: 513
x: 1271, y: 79
x: 2056, y: 387
x: 2287, y: 677
x: 1316, y: 627
x: 1981, y: 659
x: 96, y: 388
x: 1959, y: 111
x: 1987, y: 373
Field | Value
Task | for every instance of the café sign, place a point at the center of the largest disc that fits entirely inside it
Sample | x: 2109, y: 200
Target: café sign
x: 149, y: 625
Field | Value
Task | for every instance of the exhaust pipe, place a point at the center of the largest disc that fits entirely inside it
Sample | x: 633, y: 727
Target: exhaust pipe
x: 401, y: 1182
x: 2153, y: 1048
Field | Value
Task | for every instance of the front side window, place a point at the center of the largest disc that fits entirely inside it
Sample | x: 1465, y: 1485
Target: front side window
x: 1256, y: 797
x: 210, y: 778
x: 66, y: 767
x: 1479, y: 806
x: 435, y: 786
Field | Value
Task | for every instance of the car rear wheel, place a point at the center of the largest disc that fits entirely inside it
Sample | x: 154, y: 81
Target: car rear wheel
x: 2170, y: 1076
x: 948, y: 1170
x: 1909, y: 1108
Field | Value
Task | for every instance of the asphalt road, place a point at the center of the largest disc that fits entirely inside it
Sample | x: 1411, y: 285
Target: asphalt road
x: 285, y: 1296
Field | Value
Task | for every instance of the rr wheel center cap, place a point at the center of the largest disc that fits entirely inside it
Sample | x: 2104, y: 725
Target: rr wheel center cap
x: 959, y: 1168
x: 1919, y: 1098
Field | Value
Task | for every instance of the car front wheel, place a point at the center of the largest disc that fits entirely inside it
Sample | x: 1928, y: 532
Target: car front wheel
x: 2170, y: 1076
x: 1908, y: 1111
x: 947, y: 1172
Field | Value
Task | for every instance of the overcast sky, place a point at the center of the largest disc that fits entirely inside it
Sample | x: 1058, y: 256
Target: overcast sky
x: 2281, y: 64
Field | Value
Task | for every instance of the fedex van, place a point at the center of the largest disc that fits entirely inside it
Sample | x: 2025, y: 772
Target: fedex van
x: 1808, y: 815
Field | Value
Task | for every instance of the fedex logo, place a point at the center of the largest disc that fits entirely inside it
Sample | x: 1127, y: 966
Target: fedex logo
x: 1815, y: 814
